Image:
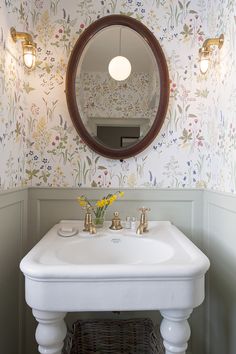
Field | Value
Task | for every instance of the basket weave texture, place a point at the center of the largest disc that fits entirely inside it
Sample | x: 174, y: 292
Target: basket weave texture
x: 135, y: 336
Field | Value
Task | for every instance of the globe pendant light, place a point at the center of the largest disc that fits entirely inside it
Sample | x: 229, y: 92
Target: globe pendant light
x: 119, y: 67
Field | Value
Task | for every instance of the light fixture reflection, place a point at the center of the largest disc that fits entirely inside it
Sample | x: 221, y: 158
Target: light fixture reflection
x: 119, y: 68
x: 28, y: 46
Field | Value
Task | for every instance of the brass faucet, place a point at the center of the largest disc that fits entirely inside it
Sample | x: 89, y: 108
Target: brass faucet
x: 88, y: 224
x: 92, y: 229
x: 143, y: 223
x: 116, y: 222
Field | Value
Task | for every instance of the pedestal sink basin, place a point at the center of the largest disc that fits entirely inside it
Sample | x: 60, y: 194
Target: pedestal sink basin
x: 114, y: 271
x: 111, y: 250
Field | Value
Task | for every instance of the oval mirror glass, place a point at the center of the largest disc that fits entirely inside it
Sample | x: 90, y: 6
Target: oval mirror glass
x: 117, y: 87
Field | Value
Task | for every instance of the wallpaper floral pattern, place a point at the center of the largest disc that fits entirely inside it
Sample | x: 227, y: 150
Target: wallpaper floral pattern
x: 12, y: 122
x: 196, y: 146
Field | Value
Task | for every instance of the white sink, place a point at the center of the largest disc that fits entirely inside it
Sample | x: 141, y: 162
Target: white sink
x: 109, y: 249
x: 115, y: 270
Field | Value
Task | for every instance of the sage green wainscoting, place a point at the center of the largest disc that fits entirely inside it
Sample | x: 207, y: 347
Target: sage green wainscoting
x: 208, y: 218
x: 182, y: 207
x: 13, y: 245
x: 220, y: 246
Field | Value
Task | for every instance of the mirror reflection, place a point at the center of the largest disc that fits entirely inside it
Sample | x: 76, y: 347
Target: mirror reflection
x: 117, y: 87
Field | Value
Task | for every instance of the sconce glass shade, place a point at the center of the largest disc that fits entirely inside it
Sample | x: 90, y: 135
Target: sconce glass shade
x: 29, y: 54
x: 204, y: 64
x: 204, y: 60
x: 119, y: 68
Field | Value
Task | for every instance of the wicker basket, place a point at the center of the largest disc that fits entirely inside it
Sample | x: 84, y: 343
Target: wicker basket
x: 135, y: 336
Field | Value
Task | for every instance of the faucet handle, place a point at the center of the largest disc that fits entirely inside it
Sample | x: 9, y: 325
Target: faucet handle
x: 144, y: 210
x: 144, y: 219
x: 88, y: 208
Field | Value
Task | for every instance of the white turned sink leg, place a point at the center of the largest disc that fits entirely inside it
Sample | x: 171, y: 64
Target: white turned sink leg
x: 175, y: 330
x: 51, y: 331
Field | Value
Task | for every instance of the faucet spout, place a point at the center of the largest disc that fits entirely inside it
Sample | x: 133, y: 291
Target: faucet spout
x: 92, y: 229
x: 139, y: 230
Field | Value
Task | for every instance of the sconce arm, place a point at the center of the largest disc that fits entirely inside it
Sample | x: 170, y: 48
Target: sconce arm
x: 23, y: 36
x: 213, y: 41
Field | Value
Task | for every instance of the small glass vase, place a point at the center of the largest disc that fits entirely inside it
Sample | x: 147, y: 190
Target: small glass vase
x: 98, y: 222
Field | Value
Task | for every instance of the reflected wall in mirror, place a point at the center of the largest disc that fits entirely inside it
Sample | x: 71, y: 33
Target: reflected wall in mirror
x: 110, y: 109
x: 117, y: 113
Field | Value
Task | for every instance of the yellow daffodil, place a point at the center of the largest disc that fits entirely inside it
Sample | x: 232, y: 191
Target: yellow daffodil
x: 101, y: 205
x: 106, y: 201
x: 81, y: 198
x: 82, y: 201
x: 113, y: 198
x: 98, y: 204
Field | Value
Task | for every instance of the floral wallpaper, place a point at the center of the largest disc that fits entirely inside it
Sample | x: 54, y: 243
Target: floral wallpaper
x: 196, y: 146
x: 12, y: 88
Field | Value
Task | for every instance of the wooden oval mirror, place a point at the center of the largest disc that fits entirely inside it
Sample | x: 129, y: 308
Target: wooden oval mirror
x: 117, y: 108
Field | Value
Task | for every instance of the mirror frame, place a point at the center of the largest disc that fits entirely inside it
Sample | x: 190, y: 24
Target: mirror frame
x: 74, y: 59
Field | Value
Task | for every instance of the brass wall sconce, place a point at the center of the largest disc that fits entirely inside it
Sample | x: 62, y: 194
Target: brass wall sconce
x: 206, y: 50
x: 28, y: 46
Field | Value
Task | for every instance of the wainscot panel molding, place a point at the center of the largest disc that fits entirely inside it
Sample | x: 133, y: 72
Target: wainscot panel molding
x: 220, y: 247
x: 47, y: 206
x: 208, y: 218
x: 13, y: 246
